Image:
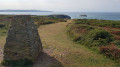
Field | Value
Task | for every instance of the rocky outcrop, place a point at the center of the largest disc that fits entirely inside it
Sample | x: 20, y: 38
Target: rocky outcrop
x: 23, y: 41
x: 60, y: 16
x: 83, y: 15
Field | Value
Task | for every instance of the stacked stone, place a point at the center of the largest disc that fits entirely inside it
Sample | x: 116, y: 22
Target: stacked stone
x: 23, y: 41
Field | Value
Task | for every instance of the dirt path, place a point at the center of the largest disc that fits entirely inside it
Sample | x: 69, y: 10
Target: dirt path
x: 60, y: 51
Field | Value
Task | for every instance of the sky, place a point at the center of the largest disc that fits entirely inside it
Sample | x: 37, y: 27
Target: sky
x: 63, y: 5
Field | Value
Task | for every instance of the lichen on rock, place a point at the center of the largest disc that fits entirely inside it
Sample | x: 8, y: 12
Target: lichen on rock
x: 23, y: 41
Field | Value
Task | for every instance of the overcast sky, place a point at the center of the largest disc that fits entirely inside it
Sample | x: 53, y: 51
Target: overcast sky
x: 63, y: 5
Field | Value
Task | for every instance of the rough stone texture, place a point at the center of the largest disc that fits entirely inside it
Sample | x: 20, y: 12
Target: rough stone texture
x: 23, y: 41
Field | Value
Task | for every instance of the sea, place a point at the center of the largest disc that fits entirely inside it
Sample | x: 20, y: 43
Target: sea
x: 75, y: 15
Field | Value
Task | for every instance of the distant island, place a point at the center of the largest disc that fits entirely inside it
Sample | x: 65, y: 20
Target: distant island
x: 83, y: 15
x: 23, y: 11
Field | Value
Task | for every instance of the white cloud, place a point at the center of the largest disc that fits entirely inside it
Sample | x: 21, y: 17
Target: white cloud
x: 63, y: 5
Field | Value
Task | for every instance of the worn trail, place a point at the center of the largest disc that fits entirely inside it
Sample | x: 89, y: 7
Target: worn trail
x: 60, y: 51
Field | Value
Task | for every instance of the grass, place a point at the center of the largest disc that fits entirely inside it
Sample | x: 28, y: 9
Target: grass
x: 46, y: 20
x: 6, y: 19
x: 17, y: 63
x: 60, y: 46
x: 96, y: 34
x: 101, y: 23
x: 70, y: 54
x: 3, y: 32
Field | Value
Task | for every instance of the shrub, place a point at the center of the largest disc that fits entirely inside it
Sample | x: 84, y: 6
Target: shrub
x: 17, y: 63
x: 89, y: 36
x: 114, y: 24
x: 82, y: 21
x: 117, y: 42
x: 111, y: 51
x: 115, y: 32
x: 42, y: 20
x: 101, y: 23
x: 117, y: 37
x: 77, y: 30
x: 2, y: 25
x: 100, y: 33
x: 96, y: 37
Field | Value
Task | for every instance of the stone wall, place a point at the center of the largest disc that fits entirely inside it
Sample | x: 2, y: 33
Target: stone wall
x: 23, y: 41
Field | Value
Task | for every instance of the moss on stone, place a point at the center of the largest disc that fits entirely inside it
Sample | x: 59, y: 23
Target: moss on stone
x: 17, y: 63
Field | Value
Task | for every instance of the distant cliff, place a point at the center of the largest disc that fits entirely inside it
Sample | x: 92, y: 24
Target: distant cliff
x: 60, y: 16
x: 23, y: 11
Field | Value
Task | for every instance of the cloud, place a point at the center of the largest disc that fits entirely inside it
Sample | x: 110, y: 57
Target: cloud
x: 63, y: 5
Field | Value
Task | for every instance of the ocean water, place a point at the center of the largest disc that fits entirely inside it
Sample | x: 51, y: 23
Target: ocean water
x: 75, y: 15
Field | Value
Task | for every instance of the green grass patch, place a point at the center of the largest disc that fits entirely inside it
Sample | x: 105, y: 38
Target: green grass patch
x: 17, y: 63
x: 4, y: 28
x: 89, y: 36
x: 38, y: 20
x: 101, y: 23
x: 97, y: 35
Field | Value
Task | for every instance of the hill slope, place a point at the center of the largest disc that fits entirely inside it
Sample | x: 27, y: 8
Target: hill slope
x: 59, y: 48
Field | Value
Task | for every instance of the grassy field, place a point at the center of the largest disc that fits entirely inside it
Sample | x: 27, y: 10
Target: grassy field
x: 59, y: 46
x: 59, y: 50
x: 102, y: 36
